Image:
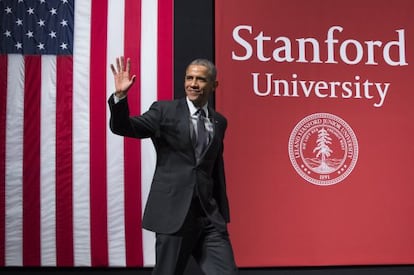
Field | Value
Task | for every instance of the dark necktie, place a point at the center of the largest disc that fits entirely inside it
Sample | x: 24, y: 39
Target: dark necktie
x: 202, y: 134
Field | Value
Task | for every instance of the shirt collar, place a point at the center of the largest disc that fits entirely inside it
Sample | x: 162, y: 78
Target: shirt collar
x: 193, y: 109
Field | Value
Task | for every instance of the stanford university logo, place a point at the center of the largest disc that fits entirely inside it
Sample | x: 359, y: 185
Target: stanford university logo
x: 323, y: 149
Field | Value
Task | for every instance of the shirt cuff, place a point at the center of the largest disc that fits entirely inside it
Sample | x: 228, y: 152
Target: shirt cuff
x: 117, y: 99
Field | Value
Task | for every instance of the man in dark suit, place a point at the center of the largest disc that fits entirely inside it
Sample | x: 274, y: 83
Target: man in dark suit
x: 187, y: 206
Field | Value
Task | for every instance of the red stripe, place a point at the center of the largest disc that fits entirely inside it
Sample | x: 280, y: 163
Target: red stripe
x: 165, y: 49
x: 31, y: 162
x: 98, y: 125
x: 3, y: 97
x: 64, y: 211
x: 132, y: 147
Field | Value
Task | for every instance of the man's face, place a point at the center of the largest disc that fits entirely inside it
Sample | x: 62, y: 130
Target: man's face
x: 198, y: 84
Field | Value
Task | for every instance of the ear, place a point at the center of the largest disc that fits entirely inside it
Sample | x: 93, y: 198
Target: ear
x: 216, y: 83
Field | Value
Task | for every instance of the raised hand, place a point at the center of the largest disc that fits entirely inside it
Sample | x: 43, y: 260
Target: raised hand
x: 122, y: 78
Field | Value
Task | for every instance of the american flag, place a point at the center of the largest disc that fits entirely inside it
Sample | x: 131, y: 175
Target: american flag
x: 71, y: 192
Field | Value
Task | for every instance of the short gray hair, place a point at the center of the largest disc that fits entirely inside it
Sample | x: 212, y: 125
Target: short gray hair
x: 212, y: 70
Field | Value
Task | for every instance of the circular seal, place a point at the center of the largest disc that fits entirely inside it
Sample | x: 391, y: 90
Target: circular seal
x: 323, y: 149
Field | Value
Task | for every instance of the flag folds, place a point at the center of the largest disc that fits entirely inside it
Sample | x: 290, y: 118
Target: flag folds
x: 71, y: 192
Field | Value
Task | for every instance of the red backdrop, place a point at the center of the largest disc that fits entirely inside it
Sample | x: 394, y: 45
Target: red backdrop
x: 319, y: 96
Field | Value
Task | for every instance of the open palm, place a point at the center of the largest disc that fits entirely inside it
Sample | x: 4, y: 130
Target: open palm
x: 123, y: 79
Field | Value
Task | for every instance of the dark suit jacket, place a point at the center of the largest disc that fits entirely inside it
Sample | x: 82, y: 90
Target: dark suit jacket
x: 177, y: 172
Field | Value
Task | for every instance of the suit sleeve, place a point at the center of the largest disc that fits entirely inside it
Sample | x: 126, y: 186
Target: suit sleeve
x: 219, y: 176
x: 143, y: 126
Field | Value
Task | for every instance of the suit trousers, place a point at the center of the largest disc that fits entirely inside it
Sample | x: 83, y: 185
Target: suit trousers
x: 199, y: 238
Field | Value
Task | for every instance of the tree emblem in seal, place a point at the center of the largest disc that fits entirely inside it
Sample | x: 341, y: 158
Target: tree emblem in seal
x: 323, y: 149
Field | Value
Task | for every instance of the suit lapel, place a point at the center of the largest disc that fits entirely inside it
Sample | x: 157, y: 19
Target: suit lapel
x: 183, y: 117
x: 214, y: 124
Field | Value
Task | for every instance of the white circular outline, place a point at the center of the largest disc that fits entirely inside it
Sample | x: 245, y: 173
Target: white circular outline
x: 295, y: 164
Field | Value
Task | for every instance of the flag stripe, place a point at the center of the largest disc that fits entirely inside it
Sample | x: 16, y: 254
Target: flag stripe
x: 64, y: 202
x: 47, y: 160
x: 14, y: 161
x: 132, y: 147
x: 165, y: 49
x: 148, y: 93
x: 98, y: 124
x: 81, y: 134
x: 115, y: 144
x: 31, y: 162
x: 3, y: 100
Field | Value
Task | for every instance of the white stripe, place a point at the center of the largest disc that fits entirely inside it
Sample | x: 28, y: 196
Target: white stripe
x: 47, y: 161
x: 14, y: 162
x: 115, y: 148
x: 149, y: 30
x: 81, y: 137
